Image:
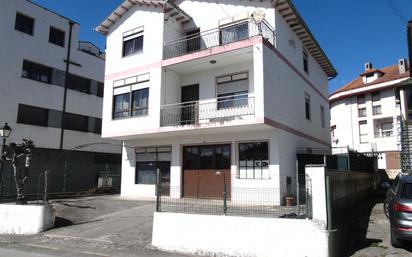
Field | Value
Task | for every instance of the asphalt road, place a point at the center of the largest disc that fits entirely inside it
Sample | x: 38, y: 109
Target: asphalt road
x: 370, y: 233
x: 91, y: 226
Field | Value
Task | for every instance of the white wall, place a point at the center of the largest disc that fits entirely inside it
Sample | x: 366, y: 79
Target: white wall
x: 37, y: 48
x: 238, y: 236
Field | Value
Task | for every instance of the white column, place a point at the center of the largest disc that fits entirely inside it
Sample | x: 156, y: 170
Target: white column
x: 128, y: 169
x: 317, y: 175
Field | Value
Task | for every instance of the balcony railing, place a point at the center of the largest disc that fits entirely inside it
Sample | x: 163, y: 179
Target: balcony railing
x: 220, y: 36
x: 387, y: 133
x: 207, y: 111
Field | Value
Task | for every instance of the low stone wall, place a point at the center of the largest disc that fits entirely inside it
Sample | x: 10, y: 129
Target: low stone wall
x: 25, y: 219
x: 239, y: 236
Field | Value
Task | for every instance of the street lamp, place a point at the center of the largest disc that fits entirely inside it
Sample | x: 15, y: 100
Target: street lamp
x: 5, y: 132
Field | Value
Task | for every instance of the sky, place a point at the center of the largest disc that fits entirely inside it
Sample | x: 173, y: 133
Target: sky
x: 351, y: 32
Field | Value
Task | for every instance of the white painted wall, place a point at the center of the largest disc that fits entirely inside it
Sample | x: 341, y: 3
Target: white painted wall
x: 25, y: 219
x: 37, y: 48
x: 239, y: 236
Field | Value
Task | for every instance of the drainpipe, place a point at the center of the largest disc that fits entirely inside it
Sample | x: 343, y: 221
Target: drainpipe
x: 409, y: 35
x: 66, y: 80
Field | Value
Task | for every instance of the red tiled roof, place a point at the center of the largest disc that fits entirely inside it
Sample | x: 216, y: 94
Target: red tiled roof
x: 388, y: 74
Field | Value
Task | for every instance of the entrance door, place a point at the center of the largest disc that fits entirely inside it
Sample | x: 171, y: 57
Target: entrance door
x: 189, y: 96
x: 193, y: 41
x: 164, y: 168
x: 206, y: 169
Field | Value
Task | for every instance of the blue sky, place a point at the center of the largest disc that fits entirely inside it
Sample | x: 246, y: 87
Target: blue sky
x: 351, y: 32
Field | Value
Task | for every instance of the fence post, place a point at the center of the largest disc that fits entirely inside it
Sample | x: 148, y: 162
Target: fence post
x: 328, y: 204
x: 66, y: 164
x: 224, y: 195
x: 46, y: 174
x: 297, y: 186
x: 158, y: 190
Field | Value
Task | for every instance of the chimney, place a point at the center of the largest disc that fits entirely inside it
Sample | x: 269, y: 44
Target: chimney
x: 409, y: 30
x: 403, y: 65
x: 368, y: 66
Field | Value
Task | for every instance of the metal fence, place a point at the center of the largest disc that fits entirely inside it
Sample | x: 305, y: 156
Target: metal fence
x: 216, y: 109
x: 219, y: 36
x: 240, y: 201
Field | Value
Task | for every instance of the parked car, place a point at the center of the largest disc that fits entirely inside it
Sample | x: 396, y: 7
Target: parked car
x: 398, y: 208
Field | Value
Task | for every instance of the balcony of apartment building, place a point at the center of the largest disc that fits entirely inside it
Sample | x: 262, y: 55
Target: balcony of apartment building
x: 386, y: 133
x: 213, y: 78
x: 228, y: 37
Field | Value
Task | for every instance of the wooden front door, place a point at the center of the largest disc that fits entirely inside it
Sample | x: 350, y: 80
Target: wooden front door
x: 189, y: 95
x: 205, y: 169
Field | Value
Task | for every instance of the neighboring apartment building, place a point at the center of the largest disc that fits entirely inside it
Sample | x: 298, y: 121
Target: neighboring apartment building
x: 365, y: 114
x: 35, y: 46
x: 202, y: 89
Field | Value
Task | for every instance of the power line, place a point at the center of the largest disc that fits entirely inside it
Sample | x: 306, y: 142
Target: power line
x: 396, y: 10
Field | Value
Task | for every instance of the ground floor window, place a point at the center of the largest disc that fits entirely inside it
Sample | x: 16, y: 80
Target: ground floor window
x: 254, y: 160
x: 148, y: 160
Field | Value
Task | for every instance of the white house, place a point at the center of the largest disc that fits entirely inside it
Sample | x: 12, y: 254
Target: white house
x: 365, y: 114
x: 35, y: 47
x: 201, y: 89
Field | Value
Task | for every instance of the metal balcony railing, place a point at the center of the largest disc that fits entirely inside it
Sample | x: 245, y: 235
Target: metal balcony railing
x: 207, y: 111
x: 219, y: 36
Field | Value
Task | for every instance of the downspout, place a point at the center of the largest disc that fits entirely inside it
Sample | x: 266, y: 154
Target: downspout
x: 66, y: 81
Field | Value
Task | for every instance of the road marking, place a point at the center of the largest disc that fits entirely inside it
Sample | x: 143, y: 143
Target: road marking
x: 97, y: 254
x: 43, y: 246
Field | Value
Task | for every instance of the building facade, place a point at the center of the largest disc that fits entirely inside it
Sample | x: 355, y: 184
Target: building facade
x: 51, y: 92
x: 365, y: 114
x: 212, y: 91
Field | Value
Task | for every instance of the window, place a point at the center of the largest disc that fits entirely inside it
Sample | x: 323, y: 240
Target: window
x: 76, y: 122
x: 376, y: 110
x: 206, y: 157
x: 79, y: 83
x: 233, y: 33
x: 36, y: 71
x: 121, y: 106
x: 376, y: 96
x: 148, y: 159
x: 387, y: 129
x: 305, y: 61
x: 363, y: 131
x: 322, y: 116
x: 362, y: 112
x: 254, y: 160
x: 24, y: 24
x: 232, y: 90
x: 133, y: 42
x: 32, y: 115
x: 56, y: 36
x: 100, y: 89
x: 140, y: 102
x: 361, y: 99
x: 307, y: 106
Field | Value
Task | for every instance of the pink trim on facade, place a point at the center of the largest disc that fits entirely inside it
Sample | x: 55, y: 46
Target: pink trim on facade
x: 213, y: 51
x: 125, y: 73
x: 293, y: 131
x: 186, y: 57
x: 283, y: 58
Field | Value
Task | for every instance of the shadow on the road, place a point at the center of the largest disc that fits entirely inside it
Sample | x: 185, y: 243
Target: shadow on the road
x: 60, y: 222
x: 353, y: 227
x: 78, y: 206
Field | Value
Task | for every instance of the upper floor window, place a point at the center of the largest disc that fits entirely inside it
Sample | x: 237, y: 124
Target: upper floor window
x: 361, y: 99
x: 305, y: 61
x: 362, y: 112
x: 133, y: 41
x: 307, y: 106
x: 376, y: 96
x: 78, y: 83
x: 56, y: 36
x: 376, y: 110
x: 232, y: 90
x: 24, y: 24
x: 363, y: 131
x: 139, y: 107
x: 322, y: 116
x: 140, y: 102
x: 36, y: 71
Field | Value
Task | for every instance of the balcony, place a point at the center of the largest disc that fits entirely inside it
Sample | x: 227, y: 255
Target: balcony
x: 222, y: 109
x: 217, y: 37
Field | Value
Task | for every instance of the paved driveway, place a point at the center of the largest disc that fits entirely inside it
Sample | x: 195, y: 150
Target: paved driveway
x: 370, y: 235
x: 91, y: 226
